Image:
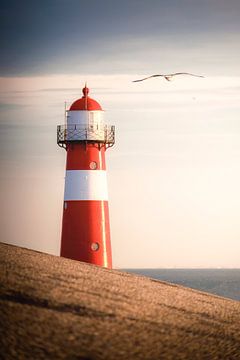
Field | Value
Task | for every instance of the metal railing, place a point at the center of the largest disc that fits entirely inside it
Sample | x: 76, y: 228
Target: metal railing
x: 77, y: 133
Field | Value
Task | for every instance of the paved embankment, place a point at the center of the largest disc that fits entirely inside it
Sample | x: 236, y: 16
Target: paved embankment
x: 56, y: 308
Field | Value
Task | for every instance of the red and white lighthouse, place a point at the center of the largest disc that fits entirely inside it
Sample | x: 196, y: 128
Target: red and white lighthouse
x: 85, y: 225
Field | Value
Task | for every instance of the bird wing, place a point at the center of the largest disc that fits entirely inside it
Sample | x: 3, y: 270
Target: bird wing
x: 148, y: 77
x: 184, y: 73
x: 168, y: 76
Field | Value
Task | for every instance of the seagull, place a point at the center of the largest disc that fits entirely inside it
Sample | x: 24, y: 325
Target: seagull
x: 168, y: 77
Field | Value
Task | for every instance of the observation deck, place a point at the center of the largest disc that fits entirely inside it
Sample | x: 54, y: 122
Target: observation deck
x: 75, y: 133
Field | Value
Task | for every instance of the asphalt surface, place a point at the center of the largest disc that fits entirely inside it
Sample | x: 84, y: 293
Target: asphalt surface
x: 55, y: 308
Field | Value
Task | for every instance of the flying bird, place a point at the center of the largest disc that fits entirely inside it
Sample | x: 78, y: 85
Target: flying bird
x: 168, y: 77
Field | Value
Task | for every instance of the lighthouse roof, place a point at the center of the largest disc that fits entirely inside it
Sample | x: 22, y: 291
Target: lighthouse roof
x: 85, y: 103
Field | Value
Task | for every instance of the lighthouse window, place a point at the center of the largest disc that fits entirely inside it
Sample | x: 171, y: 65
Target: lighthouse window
x: 93, y: 165
x: 95, y: 246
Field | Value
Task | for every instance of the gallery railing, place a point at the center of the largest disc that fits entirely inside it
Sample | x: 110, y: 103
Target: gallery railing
x: 78, y: 133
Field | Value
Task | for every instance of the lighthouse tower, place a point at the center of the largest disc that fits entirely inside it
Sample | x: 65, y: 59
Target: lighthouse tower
x: 85, y: 225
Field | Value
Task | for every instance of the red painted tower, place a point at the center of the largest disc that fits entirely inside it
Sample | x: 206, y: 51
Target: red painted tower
x: 85, y: 225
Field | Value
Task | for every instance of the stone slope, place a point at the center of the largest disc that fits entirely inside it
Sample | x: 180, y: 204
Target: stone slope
x: 51, y: 307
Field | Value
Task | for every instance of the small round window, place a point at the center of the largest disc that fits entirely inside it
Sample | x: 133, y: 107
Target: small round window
x: 93, y: 165
x: 95, y: 246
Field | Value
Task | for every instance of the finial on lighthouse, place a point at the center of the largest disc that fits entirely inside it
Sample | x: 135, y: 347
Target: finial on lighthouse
x: 85, y: 90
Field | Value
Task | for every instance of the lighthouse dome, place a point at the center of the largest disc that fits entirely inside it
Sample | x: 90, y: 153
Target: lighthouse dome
x: 85, y: 103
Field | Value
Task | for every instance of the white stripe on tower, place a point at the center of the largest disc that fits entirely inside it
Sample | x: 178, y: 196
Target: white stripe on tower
x: 86, y: 185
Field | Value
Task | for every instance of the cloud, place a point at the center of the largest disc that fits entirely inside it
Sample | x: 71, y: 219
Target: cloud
x: 129, y: 36
x: 8, y: 107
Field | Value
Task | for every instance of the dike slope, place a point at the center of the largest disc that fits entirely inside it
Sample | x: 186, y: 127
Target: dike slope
x: 55, y: 308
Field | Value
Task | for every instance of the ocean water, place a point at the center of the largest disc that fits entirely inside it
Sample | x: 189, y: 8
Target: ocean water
x: 223, y: 282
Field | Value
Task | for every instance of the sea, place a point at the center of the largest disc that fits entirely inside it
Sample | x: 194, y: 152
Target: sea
x: 222, y: 282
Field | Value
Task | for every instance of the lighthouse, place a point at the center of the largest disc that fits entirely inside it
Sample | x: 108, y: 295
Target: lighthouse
x: 85, y: 223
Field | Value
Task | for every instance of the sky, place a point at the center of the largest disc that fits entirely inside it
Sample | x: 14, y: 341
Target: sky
x: 174, y: 171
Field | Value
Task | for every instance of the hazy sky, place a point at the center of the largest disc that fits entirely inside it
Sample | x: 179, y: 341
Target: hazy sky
x: 174, y: 172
